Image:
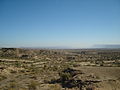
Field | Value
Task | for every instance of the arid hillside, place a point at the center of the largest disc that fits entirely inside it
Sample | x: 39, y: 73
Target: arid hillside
x: 59, y: 69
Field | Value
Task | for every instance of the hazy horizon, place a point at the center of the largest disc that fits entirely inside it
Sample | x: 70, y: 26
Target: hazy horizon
x: 59, y: 23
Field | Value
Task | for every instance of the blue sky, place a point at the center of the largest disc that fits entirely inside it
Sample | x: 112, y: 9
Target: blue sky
x: 59, y: 23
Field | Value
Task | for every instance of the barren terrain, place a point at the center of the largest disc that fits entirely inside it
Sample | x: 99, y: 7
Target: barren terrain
x: 52, y: 69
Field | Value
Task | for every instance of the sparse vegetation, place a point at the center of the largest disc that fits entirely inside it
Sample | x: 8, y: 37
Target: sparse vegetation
x: 33, y: 85
x: 34, y: 69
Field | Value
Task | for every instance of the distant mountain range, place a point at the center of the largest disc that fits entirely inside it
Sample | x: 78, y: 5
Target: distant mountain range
x: 65, y: 47
x: 49, y: 47
x: 106, y: 46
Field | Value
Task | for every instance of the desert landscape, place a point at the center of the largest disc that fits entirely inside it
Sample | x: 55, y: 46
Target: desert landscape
x: 59, y: 44
x: 59, y: 69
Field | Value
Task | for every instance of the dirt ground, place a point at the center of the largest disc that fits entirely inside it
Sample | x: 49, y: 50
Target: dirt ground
x: 109, y: 76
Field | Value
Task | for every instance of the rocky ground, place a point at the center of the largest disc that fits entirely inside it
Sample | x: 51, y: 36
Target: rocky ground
x: 59, y: 70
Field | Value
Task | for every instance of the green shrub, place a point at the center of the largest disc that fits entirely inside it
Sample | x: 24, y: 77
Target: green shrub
x: 33, y: 85
x: 65, y: 76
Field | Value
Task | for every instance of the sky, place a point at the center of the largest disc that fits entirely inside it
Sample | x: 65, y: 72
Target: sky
x: 59, y: 23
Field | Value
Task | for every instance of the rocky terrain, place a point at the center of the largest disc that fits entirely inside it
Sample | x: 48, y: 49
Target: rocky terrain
x: 59, y: 69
